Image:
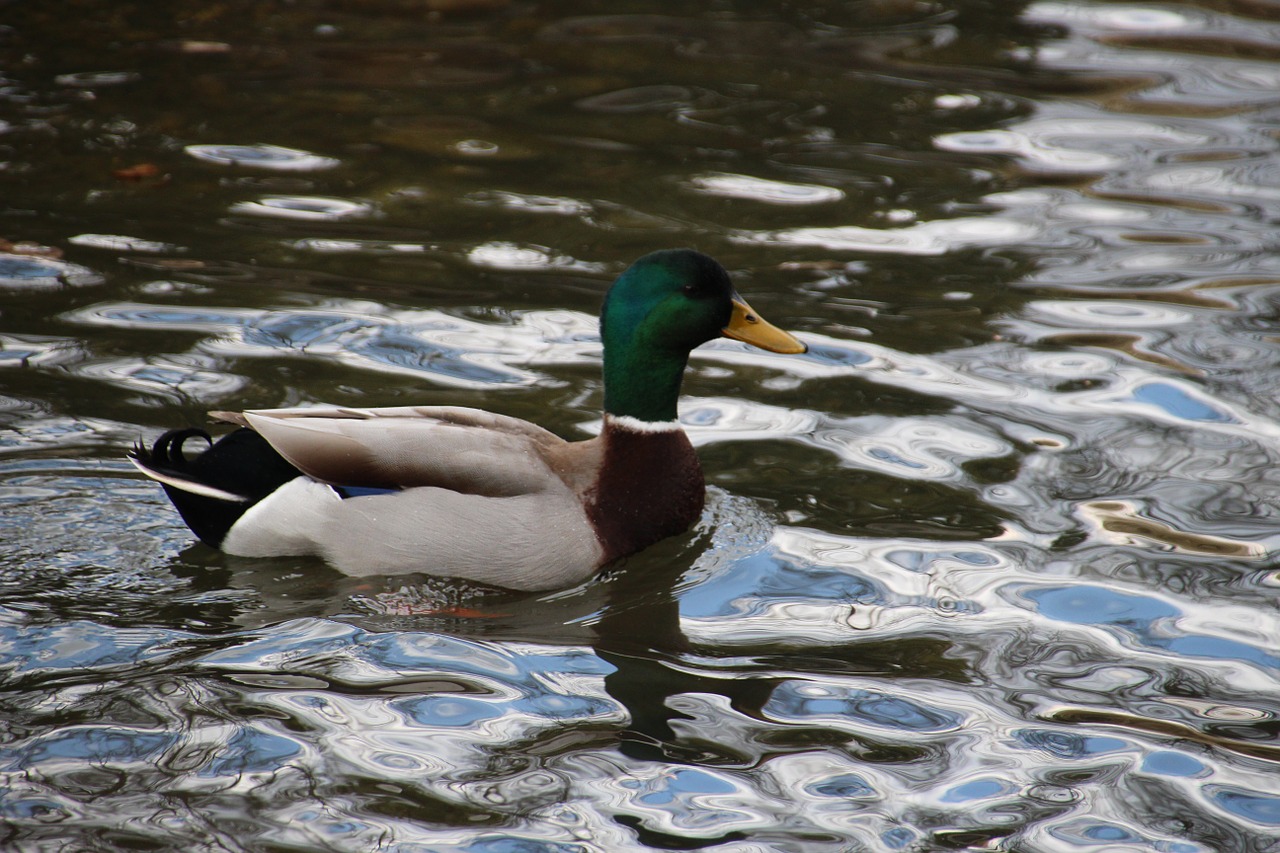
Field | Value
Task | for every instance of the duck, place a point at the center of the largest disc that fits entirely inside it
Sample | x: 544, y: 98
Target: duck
x: 469, y: 494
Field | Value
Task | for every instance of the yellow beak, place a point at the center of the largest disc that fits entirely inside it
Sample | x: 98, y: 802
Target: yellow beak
x: 749, y: 327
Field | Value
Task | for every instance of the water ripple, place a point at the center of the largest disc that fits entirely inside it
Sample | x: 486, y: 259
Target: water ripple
x: 271, y: 157
x: 988, y: 567
x: 452, y: 350
x: 1121, y: 522
x: 176, y: 378
x: 30, y: 651
x: 119, y: 243
x: 305, y: 208
x: 1070, y: 144
x: 21, y: 272
x: 462, y: 138
x: 925, y: 238
x: 848, y: 705
x: 36, y: 351
x: 93, y: 79
x: 763, y: 190
x: 510, y: 256
x: 526, y: 203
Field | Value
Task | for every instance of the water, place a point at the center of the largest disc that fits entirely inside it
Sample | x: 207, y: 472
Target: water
x: 990, y: 568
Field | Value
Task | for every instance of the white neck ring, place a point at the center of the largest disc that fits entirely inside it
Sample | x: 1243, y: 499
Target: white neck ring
x: 636, y: 425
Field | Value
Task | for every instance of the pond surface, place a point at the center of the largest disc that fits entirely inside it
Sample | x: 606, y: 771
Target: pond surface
x: 990, y: 568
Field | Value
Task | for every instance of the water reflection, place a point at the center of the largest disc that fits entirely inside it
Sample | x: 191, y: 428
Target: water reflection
x: 925, y: 238
x: 307, y: 208
x: 988, y: 567
x: 18, y: 272
x: 275, y: 158
x: 120, y: 243
x: 763, y: 190
x: 453, y: 350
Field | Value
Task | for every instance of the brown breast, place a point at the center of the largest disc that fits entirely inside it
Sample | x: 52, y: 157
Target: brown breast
x: 650, y: 487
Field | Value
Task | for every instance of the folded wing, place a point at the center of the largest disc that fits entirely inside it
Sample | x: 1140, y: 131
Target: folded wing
x: 465, y: 450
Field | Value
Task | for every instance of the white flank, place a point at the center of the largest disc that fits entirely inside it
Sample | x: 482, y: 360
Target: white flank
x: 287, y: 522
x: 188, y: 485
x: 636, y: 425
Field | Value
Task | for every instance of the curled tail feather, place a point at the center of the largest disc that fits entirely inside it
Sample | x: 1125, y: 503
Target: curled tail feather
x: 213, y: 489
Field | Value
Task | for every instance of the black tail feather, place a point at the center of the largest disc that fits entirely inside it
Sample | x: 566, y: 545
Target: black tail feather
x: 168, y: 447
x: 212, y: 490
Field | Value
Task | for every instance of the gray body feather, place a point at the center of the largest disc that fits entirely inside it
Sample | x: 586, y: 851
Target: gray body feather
x: 484, y: 497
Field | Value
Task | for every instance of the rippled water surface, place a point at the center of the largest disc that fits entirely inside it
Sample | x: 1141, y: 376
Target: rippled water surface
x: 990, y: 568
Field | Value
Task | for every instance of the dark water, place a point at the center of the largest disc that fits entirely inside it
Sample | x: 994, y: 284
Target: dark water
x: 990, y: 568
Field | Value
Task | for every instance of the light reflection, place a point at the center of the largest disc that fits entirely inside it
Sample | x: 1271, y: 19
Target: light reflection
x: 1151, y: 124
x: 94, y: 79
x: 1023, y: 146
x: 688, y: 802
x: 512, y: 256
x: 25, y: 272
x: 117, y: 243
x: 452, y: 350
x: 173, y: 377
x: 1112, y: 313
x: 844, y: 705
x: 336, y: 246
x: 1070, y: 144
x: 925, y: 238
x: 26, y: 351
x: 763, y: 190
x: 1144, y: 19
x: 269, y: 157
x: 1206, y: 181
x: 305, y: 208
x: 526, y: 203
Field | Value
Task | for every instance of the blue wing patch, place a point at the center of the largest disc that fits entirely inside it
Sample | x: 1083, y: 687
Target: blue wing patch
x: 345, y: 492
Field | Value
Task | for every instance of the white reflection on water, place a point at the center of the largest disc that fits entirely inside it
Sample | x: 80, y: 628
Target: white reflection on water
x: 849, y: 589
x: 935, y: 237
x: 762, y: 189
x: 306, y: 208
x: 918, y: 448
x: 1011, y: 142
x: 1099, y: 674
x: 274, y: 158
x: 1071, y: 143
x: 1260, y: 181
x: 512, y: 256
x: 1121, y: 315
x: 27, y: 351
x: 120, y: 243
x: 94, y: 79
x: 526, y: 203
x: 1141, y: 19
x: 334, y: 245
x: 690, y: 802
x: 1131, y: 386
x: 452, y: 350
x: 177, y: 378
x: 26, y: 272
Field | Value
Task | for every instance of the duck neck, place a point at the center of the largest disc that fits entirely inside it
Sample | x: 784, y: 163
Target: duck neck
x: 643, y: 384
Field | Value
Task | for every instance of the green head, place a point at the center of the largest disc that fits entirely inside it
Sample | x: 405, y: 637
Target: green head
x: 663, y: 306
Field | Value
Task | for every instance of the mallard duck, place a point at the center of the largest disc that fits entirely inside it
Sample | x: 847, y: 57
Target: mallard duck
x: 465, y: 493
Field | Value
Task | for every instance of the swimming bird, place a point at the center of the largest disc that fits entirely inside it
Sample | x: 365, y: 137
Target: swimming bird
x: 465, y: 493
